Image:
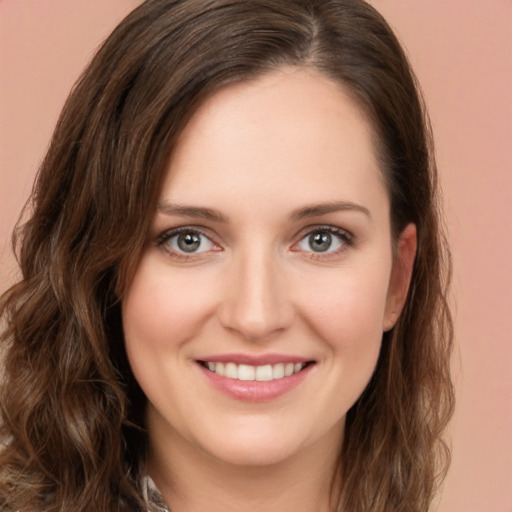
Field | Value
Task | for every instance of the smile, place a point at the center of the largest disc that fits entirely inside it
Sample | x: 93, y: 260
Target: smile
x: 246, y: 372
x: 253, y: 378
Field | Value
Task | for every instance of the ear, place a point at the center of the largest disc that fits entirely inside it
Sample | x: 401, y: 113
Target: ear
x: 401, y: 273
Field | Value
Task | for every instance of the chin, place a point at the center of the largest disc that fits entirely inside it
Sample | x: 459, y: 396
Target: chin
x: 258, y: 443
x: 260, y: 454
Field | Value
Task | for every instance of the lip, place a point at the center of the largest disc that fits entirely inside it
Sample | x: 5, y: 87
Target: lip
x: 255, y: 391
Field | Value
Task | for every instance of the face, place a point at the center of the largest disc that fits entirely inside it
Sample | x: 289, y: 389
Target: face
x: 255, y: 317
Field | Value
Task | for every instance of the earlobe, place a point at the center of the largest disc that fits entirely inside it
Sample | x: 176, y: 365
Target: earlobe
x: 401, y: 274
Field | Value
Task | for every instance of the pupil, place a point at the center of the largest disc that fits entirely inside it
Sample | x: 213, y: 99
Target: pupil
x: 189, y: 242
x: 320, y: 242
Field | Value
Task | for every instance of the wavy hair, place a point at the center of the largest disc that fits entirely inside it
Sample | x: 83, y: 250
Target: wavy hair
x: 72, y: 416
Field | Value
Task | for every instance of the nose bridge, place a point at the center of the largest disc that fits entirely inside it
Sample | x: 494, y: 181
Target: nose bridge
x: 256, y: 303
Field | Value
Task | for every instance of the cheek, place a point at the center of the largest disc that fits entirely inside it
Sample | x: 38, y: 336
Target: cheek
x: 346, y: 308
x: 344, y: 311
x: 352, y: 325
x: 158, y: 310
x: 161, y: 313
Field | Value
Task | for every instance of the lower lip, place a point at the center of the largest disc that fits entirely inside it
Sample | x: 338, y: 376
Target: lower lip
x: 255, y: 391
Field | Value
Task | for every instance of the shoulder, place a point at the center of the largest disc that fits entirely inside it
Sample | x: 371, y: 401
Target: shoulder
x: 152, y: 496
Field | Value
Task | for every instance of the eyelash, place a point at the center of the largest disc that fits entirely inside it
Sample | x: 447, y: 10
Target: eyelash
x: 347, y: 240
x: 162, y: 240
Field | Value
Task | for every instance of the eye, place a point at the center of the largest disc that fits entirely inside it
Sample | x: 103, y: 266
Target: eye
x: 326, y: 240
x: 184, y: 241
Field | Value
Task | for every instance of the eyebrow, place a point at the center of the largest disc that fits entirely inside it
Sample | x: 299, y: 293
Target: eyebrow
x: 191, y: 211
x: 313, y: 210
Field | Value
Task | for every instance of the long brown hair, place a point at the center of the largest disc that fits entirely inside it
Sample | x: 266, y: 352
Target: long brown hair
x: 72, y: 433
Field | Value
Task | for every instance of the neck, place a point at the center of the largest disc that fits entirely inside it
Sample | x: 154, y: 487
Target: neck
x: 192, y: 481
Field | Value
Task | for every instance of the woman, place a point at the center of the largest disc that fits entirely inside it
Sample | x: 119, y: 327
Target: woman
x: 234, y: 276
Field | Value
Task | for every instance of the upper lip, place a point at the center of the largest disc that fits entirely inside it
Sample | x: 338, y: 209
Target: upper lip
x: 253, y: 359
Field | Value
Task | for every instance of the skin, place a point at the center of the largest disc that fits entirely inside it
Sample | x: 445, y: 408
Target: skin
x: 255, y: 153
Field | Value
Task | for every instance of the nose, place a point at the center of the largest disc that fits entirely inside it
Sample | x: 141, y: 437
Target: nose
x: 256, y: 304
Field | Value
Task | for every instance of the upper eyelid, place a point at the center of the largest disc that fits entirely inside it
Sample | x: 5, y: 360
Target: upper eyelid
x: 348, y: 240
x: 162, y: 239
x: 326, y: 227
x: 169, y: 233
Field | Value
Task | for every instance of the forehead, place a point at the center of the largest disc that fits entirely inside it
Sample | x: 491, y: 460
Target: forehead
x: 291, y: 131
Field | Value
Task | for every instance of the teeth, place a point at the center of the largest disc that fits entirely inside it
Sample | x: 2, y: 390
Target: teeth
x: 259, y: 373
x: 219, y: 369
x: 264, y: 373
x: 278, y: 371
x: 288, y: 369
x: 231, y: 371
x: 246, y: 372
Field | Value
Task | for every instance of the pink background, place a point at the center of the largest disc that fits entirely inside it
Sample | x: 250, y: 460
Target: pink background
x: 462, y: 53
